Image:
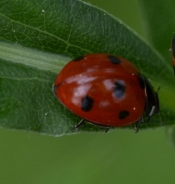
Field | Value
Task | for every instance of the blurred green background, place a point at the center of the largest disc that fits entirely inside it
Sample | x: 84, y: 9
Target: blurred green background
x: 116, y: 157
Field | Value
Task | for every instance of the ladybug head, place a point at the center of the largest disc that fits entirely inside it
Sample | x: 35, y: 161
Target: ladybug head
x: 152, y: 100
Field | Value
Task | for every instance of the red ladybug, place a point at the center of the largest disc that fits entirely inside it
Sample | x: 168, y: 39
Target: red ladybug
x: 173, y: 52
x: 106, y: 90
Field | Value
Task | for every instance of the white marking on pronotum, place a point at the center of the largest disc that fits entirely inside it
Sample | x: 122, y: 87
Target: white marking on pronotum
x: 152, y: 110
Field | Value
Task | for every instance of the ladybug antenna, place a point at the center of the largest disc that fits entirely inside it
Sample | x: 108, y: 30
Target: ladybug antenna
x: 158, y: 89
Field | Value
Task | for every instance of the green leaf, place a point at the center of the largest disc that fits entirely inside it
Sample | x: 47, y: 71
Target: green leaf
x: 37, y: 38
x: 170, y: 132
x: 159, y: 24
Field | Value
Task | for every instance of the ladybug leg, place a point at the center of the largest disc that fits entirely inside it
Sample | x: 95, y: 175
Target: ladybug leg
x: 79, y: 124
x: 136, y: 125
x: 141, y: 120
x: 148, y: 119
x: 107, y: 129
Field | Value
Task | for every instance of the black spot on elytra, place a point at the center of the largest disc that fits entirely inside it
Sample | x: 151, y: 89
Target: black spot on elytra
x: 173, y: 46
x: 78, y: 58
x: 141, y: 80
x: 123, y: 114
x: 119, y: 88
x: 114, y: 59
x: 87, y: 103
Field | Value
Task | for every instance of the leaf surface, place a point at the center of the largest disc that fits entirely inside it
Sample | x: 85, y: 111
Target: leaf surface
x: 37, y: 38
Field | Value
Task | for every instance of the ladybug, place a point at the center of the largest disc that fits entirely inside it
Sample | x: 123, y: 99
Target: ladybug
x: 106, y: 90
x: 173, y: 52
